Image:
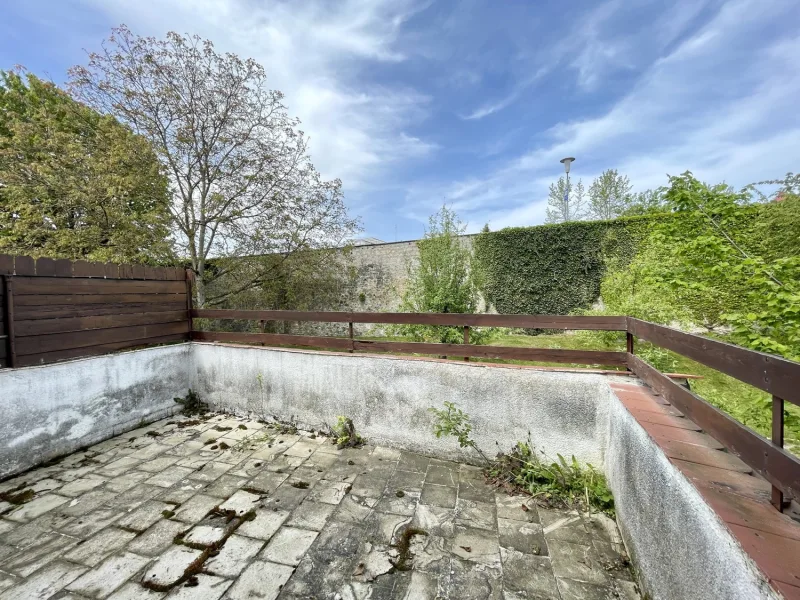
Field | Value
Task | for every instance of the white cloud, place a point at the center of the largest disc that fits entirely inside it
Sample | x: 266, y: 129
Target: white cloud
x: 720, y: 104
x: 313, y: 51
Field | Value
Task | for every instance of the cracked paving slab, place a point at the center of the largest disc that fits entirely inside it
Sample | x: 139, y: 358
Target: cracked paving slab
x: 286, y: 516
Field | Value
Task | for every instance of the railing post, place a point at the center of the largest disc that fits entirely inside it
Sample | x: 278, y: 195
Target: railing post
x: 629, y: 344
x: 9, y: 302
x: 352, y: 343
x: 466, y: 340
x: 777, y: 439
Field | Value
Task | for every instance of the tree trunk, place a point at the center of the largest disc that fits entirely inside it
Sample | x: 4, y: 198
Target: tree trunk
x: 200, y: 291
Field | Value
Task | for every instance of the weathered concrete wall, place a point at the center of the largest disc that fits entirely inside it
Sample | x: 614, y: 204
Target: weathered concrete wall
x: 53, y: 410
x: 388, y: 398
x: 680, y: 546
x: 380, y: 281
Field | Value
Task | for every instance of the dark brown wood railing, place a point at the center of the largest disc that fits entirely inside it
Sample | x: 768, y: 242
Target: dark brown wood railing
x: 772, y: 374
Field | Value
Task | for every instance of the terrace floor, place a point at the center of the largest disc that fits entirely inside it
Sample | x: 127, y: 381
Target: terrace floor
x: 287, y: 515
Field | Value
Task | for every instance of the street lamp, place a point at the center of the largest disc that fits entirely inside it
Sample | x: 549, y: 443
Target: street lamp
x: 567, y: 162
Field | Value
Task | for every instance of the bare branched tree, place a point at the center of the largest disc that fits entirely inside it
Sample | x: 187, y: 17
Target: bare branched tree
x: 243, y: 184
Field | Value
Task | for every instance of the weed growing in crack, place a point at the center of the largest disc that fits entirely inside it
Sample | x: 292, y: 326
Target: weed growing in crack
x: 556, y: 483
x: 18, y: 495
x: 452, y: 421
x: 551, y: 483
x: 192, y: 405
x: 345, y: 434
x: 189, y: 574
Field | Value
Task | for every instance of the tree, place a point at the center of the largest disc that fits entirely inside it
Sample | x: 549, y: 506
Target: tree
x: 647, y: 202
x: 240, y: 174
x: 609, y: 195
x: 563, y: 207
x: 74, y: 183
x: 445, y: 279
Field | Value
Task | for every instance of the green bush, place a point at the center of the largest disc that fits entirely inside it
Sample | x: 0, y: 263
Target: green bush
x: 555, y: 269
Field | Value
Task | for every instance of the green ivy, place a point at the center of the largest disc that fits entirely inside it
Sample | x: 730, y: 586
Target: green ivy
x: 556, y: 269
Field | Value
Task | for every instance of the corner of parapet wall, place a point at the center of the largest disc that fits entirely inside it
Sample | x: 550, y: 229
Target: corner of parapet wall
x: 52, y: 410
x: 678, y: 543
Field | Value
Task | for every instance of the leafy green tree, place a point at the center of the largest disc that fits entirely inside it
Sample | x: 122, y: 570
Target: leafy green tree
x: 74, y: 183
x: 240, y: 175
x: 445, y: 279
x: 609, y: 196
x: 647, y: 202
x: 563, y: 207
x: 707, y: 268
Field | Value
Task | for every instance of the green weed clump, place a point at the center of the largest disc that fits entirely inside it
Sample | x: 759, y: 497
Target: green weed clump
x: 560, y: 483
x: 192, y: 405
x: 345, y: 433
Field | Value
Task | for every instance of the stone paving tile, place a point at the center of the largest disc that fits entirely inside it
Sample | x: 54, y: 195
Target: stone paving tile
x: 145, y: 515
x: 96, y: 548
x: 45, y: 582
x: 234, y: 556
x: 311, y: 515
x: 109, y: 575
x: 260, y: 580
x: 194, y: 509
x: 325, y: 524
x: 44, y: 549
x: 439, y: 495
x: 288, y: 546
x: 264, y: 526
x: 134, y: 591
x: 157, y: 539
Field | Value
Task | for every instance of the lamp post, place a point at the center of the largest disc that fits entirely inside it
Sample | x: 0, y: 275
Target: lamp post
x: 566, y: 162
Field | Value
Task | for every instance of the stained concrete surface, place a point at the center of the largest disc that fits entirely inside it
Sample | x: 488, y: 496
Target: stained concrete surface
x: 287, y: 515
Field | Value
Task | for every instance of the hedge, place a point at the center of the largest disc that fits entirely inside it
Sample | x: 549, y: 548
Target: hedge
x: 555, y: 269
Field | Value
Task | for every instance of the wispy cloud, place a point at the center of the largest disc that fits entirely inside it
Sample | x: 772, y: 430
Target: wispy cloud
x: 314, y: 52
x: 414, y: 102
x: 715, y: 104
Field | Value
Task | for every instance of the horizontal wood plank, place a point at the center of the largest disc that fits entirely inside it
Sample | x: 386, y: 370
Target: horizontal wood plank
x: 772, y: 462
x: 58, y: 311
x: 455, y: 319
x: 556, y: 355
x: 590, y: 357
x: 110, y: 299
x: 767, y: 372
x: 49, y: 326
x: 272, y: 339
x: 24, y: 286
x: 51, y: 357
x: 40, y: 344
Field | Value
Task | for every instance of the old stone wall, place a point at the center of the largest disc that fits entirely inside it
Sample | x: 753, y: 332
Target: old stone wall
x: 380, y: 281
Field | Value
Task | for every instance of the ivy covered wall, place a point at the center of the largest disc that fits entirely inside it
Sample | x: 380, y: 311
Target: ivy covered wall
x: 555, y: 269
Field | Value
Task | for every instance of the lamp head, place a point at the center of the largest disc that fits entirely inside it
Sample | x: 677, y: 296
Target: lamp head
x: 566, y: 162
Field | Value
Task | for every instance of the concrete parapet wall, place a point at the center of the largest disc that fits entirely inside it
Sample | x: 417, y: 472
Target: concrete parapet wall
x: 388, y: 398
x: 680, y: 546
x: 52, y: 410
x: 677, y: 542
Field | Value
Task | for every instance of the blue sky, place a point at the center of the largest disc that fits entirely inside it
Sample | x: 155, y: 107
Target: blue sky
x: 473, y: 103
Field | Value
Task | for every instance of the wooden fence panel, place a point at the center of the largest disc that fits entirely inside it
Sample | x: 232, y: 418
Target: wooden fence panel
x: 65, y: 309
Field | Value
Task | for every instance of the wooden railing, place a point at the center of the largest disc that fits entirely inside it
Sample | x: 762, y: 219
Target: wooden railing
x: 772, y: 374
